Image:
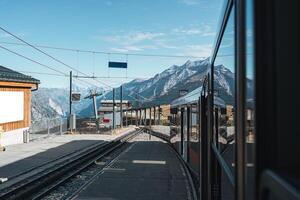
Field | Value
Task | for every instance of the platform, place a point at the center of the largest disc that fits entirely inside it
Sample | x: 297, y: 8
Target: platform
x: 148, y: 169
x: 165, y: 130
x: 21, y: 157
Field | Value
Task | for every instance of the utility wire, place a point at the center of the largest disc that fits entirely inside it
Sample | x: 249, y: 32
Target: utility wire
x: 57, y: 60
x: 63, y: 74
x: 111, y: 77
x: 50, y: 56
x: 44, y: 73
x: 106, y: 52
x: 113, y: 53
x: 41, y: 64
x: 27, y: 58
x: 82, y: 77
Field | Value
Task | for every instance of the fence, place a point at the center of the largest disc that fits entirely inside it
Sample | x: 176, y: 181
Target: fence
x: 48, y: 127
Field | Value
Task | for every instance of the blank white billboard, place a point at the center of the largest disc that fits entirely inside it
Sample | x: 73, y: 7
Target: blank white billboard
x: 11, y: 106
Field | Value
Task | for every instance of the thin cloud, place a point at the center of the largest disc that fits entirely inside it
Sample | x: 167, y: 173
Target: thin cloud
x: 202, y: 30
x: 189, y: 2
x: 197, y: 50
x: 131, y: 48
x: 132, y: 38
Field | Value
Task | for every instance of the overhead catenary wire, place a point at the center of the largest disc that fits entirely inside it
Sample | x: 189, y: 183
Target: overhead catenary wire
x: 60, y: 73
x: 59, y: 61
x: 50, y: 56
x: 76, y: 77
x: 114, y: 53
x: 84, y: 77
x: 64, y: 74
x: 34, y: 61
x: 106, y: 52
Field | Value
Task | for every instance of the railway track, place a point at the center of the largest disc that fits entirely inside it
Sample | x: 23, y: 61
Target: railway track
x: 45, y: 179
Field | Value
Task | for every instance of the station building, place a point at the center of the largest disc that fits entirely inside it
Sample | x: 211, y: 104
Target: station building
x: 15, y: 106
x: 105, y: 111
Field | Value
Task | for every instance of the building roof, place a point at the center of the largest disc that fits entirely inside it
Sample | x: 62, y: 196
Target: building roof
x: 14, y: 76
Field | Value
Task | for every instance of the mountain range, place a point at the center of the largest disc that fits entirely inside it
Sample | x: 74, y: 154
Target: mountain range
x: 160, y: 89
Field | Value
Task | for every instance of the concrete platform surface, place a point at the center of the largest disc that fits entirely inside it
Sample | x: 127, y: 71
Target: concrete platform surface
x: 148, y: 169
x: 165, y: 130
x: 21, y: 157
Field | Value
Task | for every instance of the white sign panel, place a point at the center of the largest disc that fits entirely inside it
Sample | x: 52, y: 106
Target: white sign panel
x: 11, y: 106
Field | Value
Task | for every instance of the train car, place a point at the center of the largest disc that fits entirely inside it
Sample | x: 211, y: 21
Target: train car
x: 185, y: 131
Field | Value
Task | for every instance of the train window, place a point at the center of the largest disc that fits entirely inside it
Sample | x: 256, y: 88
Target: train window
x: 175, y: 130
x: 224, y: 107
x: 174, y: 110
x: 249, y: 104
x: 194, y: 139
x: 184, y: 133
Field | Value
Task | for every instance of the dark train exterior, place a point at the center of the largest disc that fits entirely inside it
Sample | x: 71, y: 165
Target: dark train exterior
x: 243, y: 142
x: 185, y: 127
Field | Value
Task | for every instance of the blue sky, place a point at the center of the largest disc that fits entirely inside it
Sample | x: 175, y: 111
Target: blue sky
x: 176, y: 27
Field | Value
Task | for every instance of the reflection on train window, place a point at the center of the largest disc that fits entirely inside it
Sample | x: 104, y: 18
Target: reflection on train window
x: 224, y: 104
x: 194, y: 139
x: 249, y: 108
x: 175, y: 129
x: 184, y: 133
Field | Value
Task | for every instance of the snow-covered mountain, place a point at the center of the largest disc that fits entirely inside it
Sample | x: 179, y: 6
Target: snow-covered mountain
x: 164, y: 87
x: 160, y: 89
x: 49, y: 103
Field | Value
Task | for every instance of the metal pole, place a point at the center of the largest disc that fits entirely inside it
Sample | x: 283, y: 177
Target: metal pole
x: 145, y: 122
x: 70, y: 100
x: 136, y: 117
x: 159, y: 115
x: 114, y: 112
x: 131, y: 117
x: 154, y: 116
x: 150, y: 118
x: 140, y: 117
x: 96, y: 111
x: 126, y: 117
x: 95, y: 106
x: 48, y: 127
x: 61, y: 126
x: 121, y: 106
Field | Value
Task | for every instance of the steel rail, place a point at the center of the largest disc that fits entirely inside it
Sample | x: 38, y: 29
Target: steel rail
x: 75, y: 172
x: 29, y: 188
x: 47, y: 163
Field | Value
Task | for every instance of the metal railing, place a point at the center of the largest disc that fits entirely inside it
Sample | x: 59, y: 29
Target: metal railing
x: 48, y: 127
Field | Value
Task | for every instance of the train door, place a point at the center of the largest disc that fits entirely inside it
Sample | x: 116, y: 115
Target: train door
x: 203, y: 141
x: 193, y: 140
x: 184, y: 133
x: 188, y: 123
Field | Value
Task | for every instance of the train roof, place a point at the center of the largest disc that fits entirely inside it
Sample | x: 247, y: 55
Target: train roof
x: 193, y: 97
